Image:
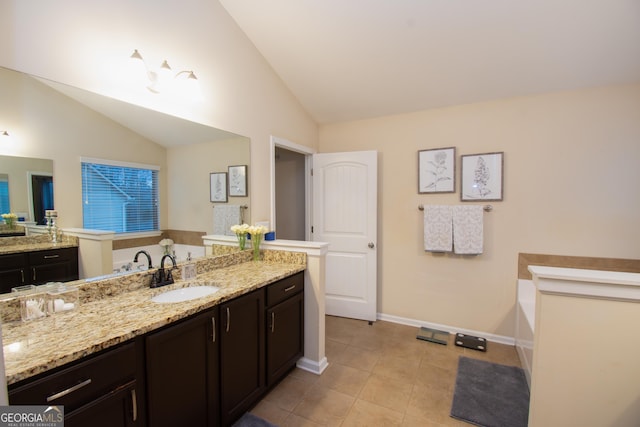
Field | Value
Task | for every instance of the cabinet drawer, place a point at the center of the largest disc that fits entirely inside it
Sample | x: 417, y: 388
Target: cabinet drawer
x: 12, y: 261
x: 52, y: 256
x: 79, y: 384
x: 285, y: 288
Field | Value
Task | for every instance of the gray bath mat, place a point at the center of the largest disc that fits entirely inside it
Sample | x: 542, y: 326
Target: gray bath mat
x: 250, y: 420
x: 490, y: 395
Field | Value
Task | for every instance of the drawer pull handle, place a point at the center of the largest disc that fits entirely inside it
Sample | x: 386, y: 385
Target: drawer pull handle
x: 213, y: 325
x: 69, y: 390
x: 22, y: 275
x: 228, y: 318
x: 134, y: 404
x: 273, y: 321
x: 290, y: 288
x: 33, y: 269
x: 51, y: 256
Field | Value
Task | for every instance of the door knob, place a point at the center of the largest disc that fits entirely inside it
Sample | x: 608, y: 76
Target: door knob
x: 371, y: 245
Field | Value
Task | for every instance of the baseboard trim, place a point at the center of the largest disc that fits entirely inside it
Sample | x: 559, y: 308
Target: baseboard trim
x: 501, y: 339
x: 313, y: 366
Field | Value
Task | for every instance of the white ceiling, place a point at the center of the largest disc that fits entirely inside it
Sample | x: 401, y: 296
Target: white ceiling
x: 355, y: 59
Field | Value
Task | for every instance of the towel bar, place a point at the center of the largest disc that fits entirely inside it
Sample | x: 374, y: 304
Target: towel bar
x: 486, y: 208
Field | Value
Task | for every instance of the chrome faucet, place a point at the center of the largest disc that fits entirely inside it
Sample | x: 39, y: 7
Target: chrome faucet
x: 145, y: 253
x: 162, y: 277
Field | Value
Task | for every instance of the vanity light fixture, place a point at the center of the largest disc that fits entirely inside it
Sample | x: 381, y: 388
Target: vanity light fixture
x: 164, y: 77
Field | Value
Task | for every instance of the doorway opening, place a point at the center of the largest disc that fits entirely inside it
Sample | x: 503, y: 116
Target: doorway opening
x: 41, y: 196
x: 290, y: 190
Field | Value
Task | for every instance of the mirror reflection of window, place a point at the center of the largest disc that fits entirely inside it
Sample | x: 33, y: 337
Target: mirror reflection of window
x: 5, y: 206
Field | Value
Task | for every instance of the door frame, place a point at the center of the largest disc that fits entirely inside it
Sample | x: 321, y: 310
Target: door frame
x: 308, y: 152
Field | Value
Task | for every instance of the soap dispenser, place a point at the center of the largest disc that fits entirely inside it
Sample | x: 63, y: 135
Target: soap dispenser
x: 188, y: 269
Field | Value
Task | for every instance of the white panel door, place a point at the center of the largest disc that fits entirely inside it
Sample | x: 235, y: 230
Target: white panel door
x: 345, y: 216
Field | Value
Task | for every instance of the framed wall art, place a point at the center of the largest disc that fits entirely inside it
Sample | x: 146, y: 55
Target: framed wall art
x: 238, y: 181
x: 482, y: 177
x: 218, y: 187
x: 437, y: 170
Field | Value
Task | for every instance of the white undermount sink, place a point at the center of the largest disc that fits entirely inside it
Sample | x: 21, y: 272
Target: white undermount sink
x: 185, y: 294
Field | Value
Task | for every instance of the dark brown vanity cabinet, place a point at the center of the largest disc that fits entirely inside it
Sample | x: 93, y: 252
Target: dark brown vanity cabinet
x: 242, y: 357
x: 38, y: 267
x: 285, y: 326
x: 13, y: 271
x: 53, y: 265
x: 182, y: 373
x: 101, y: 390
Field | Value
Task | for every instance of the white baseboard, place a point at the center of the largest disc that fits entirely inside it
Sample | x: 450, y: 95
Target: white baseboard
x: 501, y: 339
x: 313, y: 366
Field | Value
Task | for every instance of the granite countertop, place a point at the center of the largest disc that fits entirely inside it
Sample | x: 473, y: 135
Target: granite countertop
x: 40, y: 246
x: 36, y: 346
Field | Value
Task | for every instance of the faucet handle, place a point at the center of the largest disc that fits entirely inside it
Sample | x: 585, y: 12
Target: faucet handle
x: 154, y: 279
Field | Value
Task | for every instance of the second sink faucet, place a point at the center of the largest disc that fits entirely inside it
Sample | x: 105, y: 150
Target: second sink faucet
x: 145, y: 253
x: 163, y: 277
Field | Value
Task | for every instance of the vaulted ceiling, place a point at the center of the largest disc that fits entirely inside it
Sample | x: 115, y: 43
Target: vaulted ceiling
x: 355, y: 59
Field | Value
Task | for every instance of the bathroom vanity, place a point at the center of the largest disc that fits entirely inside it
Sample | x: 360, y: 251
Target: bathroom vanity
x: 34, y: 260
x: 124, y: 360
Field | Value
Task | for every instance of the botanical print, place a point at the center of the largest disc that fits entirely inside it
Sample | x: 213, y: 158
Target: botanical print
x: 218, y: 183
x: 482, y: 177
x: 436, y: 170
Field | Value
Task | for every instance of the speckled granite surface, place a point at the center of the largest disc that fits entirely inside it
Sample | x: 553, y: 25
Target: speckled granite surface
x: 115, y: 310
x: 41, y: 242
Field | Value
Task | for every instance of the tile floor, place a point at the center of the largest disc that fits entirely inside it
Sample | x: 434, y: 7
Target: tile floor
x: 378, y: 375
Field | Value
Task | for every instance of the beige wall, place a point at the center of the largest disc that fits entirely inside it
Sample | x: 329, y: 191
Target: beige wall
x: 571, y: 168
x: 188, y: 181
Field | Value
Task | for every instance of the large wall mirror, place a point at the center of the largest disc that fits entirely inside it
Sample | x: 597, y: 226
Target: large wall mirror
x: 60, y: 125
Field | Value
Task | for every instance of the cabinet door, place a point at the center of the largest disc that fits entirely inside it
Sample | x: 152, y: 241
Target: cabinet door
x: 285, y: 337
x: 12, y: 271
x: 117, y: 409
x: 182, y: 373
x: 241, y: 354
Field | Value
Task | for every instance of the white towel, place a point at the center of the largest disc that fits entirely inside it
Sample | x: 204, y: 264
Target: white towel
x: 224, y: 216
x: 437, y: 228
x: 467, y: 229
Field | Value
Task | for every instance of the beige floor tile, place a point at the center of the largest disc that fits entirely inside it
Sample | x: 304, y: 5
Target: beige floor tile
x: 324, y: 406
x: 294, y: 420
x: 334, y: 349
x: 435, y: 376
x: 344, y: 379
x: 357, y: 358
x: 387, y: 392
x: 397, y: 368
x: 289, y: 393
x: 270, y: 412
x: 430, y: 403
x: 365, y: 414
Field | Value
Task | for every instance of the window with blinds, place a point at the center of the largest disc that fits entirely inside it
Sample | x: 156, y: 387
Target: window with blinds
x: 119, y: 197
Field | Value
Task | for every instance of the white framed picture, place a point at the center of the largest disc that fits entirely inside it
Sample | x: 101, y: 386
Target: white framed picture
x: 482, y: 177
x: 218, y: 187
x: 238, y: 181
x: 437, y: 170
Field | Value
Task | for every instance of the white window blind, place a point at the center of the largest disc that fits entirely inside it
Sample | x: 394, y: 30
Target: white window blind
x: 119, y: 197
